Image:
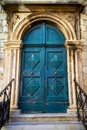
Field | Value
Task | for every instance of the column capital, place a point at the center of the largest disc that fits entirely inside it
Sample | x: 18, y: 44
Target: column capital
x: 13, y: 44
x: 74, y: 44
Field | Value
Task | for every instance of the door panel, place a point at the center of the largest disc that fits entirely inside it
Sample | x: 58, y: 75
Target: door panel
x: 56, y: 79
x: 32, y: 91
x: 56, y: 72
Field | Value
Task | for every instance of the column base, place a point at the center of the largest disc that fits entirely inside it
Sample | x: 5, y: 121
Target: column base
x: 72, y: 109
x: 15, y: 112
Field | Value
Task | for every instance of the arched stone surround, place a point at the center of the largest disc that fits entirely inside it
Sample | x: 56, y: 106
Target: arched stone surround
x: 14, y: 46
x: 25, y: 24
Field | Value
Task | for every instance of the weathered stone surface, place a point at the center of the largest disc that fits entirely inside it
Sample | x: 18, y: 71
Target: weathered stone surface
x: 84, y: 28
x: 85, y: 22
x: 84, y: 76
x: 1, y: 43
x: 85, y: 69
x: 85, y: 85
x: 5, y: 29
x: 3, y: 16
x: 3, y: 36
x: 1, y: 49
x: 84, y: 55
x: 85, y: 47
x: 0, y: 8
x: 82, y: 22
x: 1, y: 69
x: 0, y: 88
x: 43, y: 1
x: 1, y: 84
x: 1, y: 54
x: 4, y: 22
x: 2, y: 62
x: 85, y: 34
x: 84, y: 16
x: 0, y: 22
x: 44, y: 126
x: 84, y: 62
x: 86, y: 9
x: 0, y: 29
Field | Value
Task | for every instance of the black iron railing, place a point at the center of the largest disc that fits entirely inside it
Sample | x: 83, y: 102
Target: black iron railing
x: 5, y: 97
x: 81, y: 100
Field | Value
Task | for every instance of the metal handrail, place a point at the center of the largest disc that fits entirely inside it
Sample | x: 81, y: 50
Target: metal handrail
x: 5, y: 96
x: 81, y: 101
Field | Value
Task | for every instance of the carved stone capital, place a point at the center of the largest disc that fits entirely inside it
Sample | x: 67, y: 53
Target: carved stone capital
x: 74, y: 44
x: 13, y: 44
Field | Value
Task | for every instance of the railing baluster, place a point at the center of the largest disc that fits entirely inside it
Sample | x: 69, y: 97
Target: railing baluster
x: 5, y: 96
x: 81, y: 101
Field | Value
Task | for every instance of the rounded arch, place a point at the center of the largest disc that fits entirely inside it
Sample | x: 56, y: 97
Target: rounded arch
x: 25, y: 23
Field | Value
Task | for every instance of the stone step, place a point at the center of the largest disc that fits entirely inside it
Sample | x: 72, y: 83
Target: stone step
x: 60, y: 125
x: 43, y: 117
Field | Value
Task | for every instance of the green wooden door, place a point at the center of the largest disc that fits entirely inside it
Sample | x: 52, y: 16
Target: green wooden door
x: 44, y: 71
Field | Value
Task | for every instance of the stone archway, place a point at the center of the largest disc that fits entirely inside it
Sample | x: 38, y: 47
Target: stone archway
x: 13, y: 54
x: 25, y: 23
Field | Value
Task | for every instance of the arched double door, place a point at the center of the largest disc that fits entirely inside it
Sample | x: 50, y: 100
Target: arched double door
x: 44, y: 85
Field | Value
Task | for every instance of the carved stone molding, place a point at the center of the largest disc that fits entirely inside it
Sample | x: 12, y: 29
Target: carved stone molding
x: 12, y: 68
x: 13, y: 44
x: 40, y: 7
x: 17, y: 12
x: 74, y: 49
x: 25, y: 23
x: 74, y: 44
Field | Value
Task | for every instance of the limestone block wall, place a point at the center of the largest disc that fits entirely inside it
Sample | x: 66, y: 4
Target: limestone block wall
x: 83, y: 23
x: 3, y: 38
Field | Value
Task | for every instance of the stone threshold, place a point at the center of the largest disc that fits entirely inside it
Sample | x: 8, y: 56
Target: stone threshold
x: 43, y: 123
x: 43, y: 117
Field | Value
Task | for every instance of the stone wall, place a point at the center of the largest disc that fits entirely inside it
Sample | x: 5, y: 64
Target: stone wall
x: 83, y: 22
x: 3, y: 38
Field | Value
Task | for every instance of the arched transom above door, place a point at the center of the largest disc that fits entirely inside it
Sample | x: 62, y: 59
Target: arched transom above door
x: 44, y: 34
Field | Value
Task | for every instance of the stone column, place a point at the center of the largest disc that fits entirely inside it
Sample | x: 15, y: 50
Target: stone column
x: 12, y: 69
x: 74, y: 70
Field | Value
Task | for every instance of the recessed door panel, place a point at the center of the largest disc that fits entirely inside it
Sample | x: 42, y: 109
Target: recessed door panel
x: 32, y: 82
x: 56, y: 77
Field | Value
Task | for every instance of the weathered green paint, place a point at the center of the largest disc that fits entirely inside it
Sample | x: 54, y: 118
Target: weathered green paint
x: 44, y: 71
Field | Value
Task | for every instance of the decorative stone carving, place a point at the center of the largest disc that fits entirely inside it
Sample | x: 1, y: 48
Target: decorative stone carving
x: 74, y: 44
x: 70, y: 17
x: 23, y: 7
x: 17, y: 17
x: 16, y: 13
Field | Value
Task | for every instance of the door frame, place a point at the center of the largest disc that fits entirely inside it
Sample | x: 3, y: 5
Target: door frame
x: 14, y: 46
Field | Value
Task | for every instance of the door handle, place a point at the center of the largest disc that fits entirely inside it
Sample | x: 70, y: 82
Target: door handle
x: 55, y: 73
x: 31, y: 73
